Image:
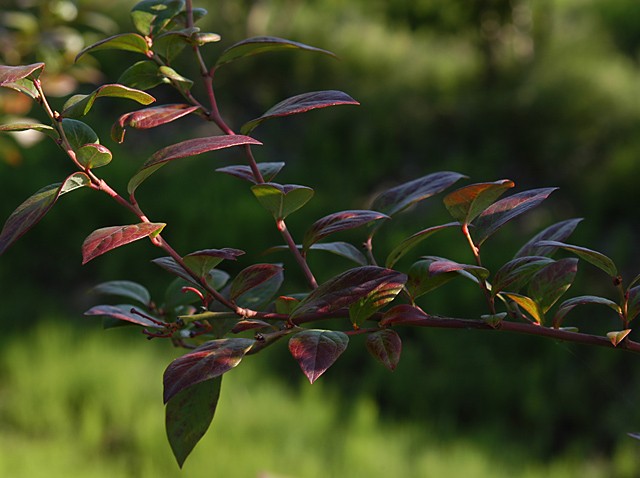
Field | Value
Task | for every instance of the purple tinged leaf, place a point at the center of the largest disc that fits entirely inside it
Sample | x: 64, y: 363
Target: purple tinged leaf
x: 342, y: 249
x: 549, y: 283
x: 346, y: 288
x: 125, y: 41
x: 465, y: 204
x: 11, y: 74
x: 529, y: 306
x: 593, y: 257
x: 188, y: 416
x: 633, y: 303
x: 443, y: 266
x: 403, y: 314
x: 123, y: 312
x: 556, y: 232
x: 201, y: 262
x: 249, y: 324
x: 504, y: 210
x: 515, y: 273
x: 124, y: 288
x: 339, y: 221
x: 252, y: 277
x: 210, y: 360
x: 80, y: 105
x: 569, y: 304
x: 108, y: 238
x: 149, y: 118
x: 422, y: 281
x: 618, y: 336
x: 267, y: 170
x: 256, y: 45
x: 281, y: 200
x: 301, y: 104
x: 257, y: 297
x: 365, y: 307
x: 398, y: 198
x: 93, y: 155
x: 385, y: 345
x: 316, y: 350
x: 412, y: 241
x: 29, y: 213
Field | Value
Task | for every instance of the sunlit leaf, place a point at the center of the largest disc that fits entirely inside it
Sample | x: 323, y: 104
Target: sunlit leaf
x: 252, y: 277
x: 93, y: 155
x: 20, y: 78
x: 570, y: 304
x: 149, y: 118
x: 385, y: 345
x: 403, y: 314
x: 515, y: 273
x: 505, y: 210
x: 366, y: 306
x: 529, y: 306
x: 201, y: 262
x: 593, y: 257
x: 210, y: 360
x: 80, y: 105
x: 618, y: 336
x: 124, y: 41
x: 317, y: 350
x: 556, y: 232
x: 267, y: 170
x: 301, y: 104
x: 29, y: 213
x: 465, y: 204
x: 339, y: 221
x: 78, y: 133
x: 256, y: 45
x: 412, y: 241
x: 550, y: 282
x: 142, y: 75
x: 182, y: 82
x: 189, y: 414
x: 124, y: 313
x: 151, y: 16
x: 124, y: 288
x: 108, y: 238
x: 281, y: 200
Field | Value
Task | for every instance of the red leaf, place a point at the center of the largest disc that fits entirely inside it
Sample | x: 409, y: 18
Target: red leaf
x: 252, y: 277
x: 403, y: 314
x: 339, y: 221
x: 385, y: 345
x: 11, y: 74
x: 122, y: 312
x: 108, y: 238
x: 208, y: 361
x: 149, y: 118
x: 317, y: 350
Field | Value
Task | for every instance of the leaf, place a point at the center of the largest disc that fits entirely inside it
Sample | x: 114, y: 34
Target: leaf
x: 256, y: 45
x: 29, y: 213
x: 188, y: 416
x: 346, y: 288
x: 301, y: 104
x: 149, y: 118
x: 170, y: 44
x: 412, y: 241
x: 151, y: 16
x: 249, y: 324
x: 124, y: 41
x: 210, y: 360
x: 593, y: 257
x: 529, y: 305
x: 515, y: 273
x: 618, y: 336
x: 169, y: 264
x: 190, y: 147
x: 108, y: 238
x: 569, y: 304
x: 93, y: 155
x: 123, y: 312
x: 180, y: 20
x: 184, y: 84
x: 281, y: 200
x: 43, y: 128
x: 385, y: 345
x: 635, y: 281
x: 252, y: 277
x: 316, y: 350
x: 142, y: 75
x: 368, y: 305
x: 201, y: 262
x: 557, y: 232
x: 343, y: 249
x: 20, y: 78
x: 504, y: 210
x: 421, y: 280
x: 633, y: 303
x: 465, y: 204
x: 124, y: 288
x: 339, y: 221
x: 443, y: 266
x: 259, y: 296
x: 549, y: 283
x: 398, y: 198
x: 285, y: 304
x: 403, y: 314
x: 267, y: 170
x: 80, y: 105
x: 78, y: 133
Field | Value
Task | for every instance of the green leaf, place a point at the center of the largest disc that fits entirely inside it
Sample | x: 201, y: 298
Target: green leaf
x: 505, y: 210
x: 20, y: 78
x: 170, y: 44
x: 339, y: 221
x: 421, y: 280
x: 267, y: 170
x: 183, y: 83
x: 515, y: 273
x: 529, y: 305
x: 593, y: 257
x: 180, y: 20
x: 108, y: 238
x: 368, y: 305
x: 151, y: 16
x: 399, y: 198
x: 252, y: 277
x: 80, y: 105
x: 465, y: 204
x: 301, y: 104
x: 93, y: 155
x: 569, y: 305
x: 78, y: 133
x: 556, y: 232
x: 210, y: 360
x: 201, y: 262
x: 123, y: 312
x: 204, y: 38
x: 256, y: 45
x: 124, y: 288
x: 285, y: 304
x: 316, y: 350
x: 29, y: 213
x: 281, y: 200
x: 124, y: 41
x: 142, y: 75
x: 190, y: 147
x: 189, y: 414
x: 618, y: 336
x: 549, y: 283
x: 149, y: 118
x: 385, y: 345
x: 412, y: 241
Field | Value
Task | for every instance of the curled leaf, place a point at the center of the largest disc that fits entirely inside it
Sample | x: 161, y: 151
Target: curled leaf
x: 618, y: 336
x: 515, y: 273
x: 150, y: 17
x: 108, y: 238
x: 201, y: 262
x: 149, y: 118
x: 20, y: 78
x: 551, y: 281
x: 570, y: 304
x: 316, y: 350
x: 403, y: 314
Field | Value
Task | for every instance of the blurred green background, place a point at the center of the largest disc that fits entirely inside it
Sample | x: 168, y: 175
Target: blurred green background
x: 543, y: 92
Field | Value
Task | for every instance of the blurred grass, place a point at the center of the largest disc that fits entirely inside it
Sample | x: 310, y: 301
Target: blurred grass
x: 85, y: 403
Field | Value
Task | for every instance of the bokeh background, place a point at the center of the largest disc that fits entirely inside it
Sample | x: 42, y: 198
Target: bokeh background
x: 543, y: 92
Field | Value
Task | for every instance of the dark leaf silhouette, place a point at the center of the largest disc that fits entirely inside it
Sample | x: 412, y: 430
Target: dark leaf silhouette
x: 339, y: 221
x: 385, y: 345
x: 465, y: 204
x: 317, y: 350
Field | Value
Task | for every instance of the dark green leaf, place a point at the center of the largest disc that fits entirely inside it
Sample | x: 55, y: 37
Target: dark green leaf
x: 339, y: 221
x: 169, y: 264
x: 515, y: 273
x: 593, y: 257
x: 267, y: 170
x: 124, y: 288
x: 385, y: 345
x: 412, y: 241
x: 80, y: 105
x: 557, y: 232
x: 421, y: 280
x: 142, y: 75
x: 124, y: 313
x: 259, y: 296
x: 465, y: 204
x: 151, y: 16
x: 149, y: 118
x: 201, y: 262
x: 78, y: 133
x: 317, y: 350
x: 281, y: 200
x: 633, y: 303
x: 252, y: 277
x: 125, y: 41
x: 108, y: 238
x: 170, y: 44
x: 93, y: 155
x: 569, y: 304
x: 549, y: 283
